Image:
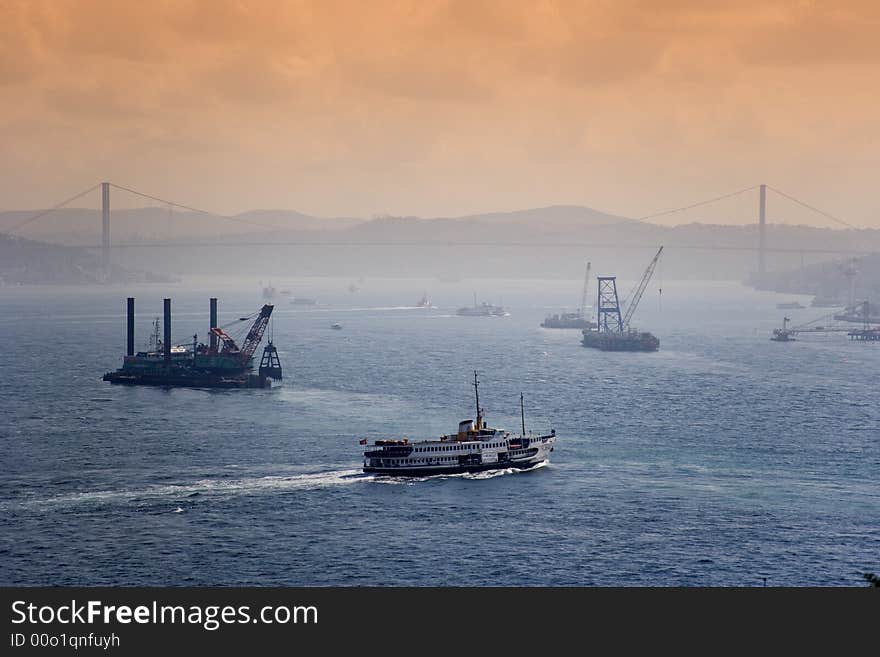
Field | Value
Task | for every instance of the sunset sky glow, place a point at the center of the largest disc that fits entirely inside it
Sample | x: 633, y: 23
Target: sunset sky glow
x: 440, y: 108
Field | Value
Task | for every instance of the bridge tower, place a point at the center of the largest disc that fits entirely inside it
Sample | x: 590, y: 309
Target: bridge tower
x: 762, y: 234
x: 105, y: 227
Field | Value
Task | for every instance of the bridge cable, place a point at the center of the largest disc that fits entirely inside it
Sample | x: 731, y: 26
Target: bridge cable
x: 192, y: 209
x: 814, y: 209
x: 696, y: 205
x: 43, y: 213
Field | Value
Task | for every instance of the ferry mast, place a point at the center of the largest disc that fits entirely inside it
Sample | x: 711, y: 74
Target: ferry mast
x: 477, y: 394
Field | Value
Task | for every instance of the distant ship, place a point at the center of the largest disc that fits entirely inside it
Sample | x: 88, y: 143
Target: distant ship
x: 336, y: 326
x: 791, y: 305
x: 576, y: 320
x: 303, y: 301
x: 826, y: 302
x: 483, y: 310
x: 424, y: 302
x: 268, y: 292
x: 784, y: 334
x: 476, y: 447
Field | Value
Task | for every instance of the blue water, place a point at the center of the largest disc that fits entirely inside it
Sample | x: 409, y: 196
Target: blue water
x: 723, y: 459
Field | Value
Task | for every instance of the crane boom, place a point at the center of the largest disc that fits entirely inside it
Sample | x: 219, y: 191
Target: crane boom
x: 251, y: 341
x: 640, y: 289
x: 255, y: 335
x: 583, y: 310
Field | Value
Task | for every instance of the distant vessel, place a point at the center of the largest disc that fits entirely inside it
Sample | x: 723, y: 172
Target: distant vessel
x: 826, y: 302
x: 483, y: 310
x: 784, y: 334
x: 303, y: 301
x: 424, y: 302
x: 614, y: 332
x: 268, y: 292
x: 476, y: 447
x: 791, y: 305
x: 577, y: 320
x: 222, y: 363
x: 336, y: 326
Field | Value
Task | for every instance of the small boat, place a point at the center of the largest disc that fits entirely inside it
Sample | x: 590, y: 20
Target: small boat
x: 336, y: 326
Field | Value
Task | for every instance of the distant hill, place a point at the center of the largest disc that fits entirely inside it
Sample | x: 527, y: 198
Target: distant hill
x: 827, y: 280
x: 550, y: 242
x: 555, y: 215
x: 82, y: 227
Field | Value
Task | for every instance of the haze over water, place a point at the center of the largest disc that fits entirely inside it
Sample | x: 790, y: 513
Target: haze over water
x: 722, y: 459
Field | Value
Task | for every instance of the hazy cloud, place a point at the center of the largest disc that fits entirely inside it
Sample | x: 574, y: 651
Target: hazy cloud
x: 439, y: 107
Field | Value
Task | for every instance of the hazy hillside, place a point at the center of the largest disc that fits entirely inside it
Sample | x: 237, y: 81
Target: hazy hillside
x: 554, y: 215
x: 28, y: 262
x: 81, y: 227
x: 827, y: 280
x: 552, y: 242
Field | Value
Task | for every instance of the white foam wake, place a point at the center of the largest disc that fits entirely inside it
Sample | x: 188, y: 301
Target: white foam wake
x: 212, y: 487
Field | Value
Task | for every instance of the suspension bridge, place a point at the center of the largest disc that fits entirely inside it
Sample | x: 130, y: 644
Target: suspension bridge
x: 760, y: 247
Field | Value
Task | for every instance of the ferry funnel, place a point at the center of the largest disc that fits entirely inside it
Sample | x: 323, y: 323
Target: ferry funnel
x: 166, y: 342
x: 129, y: 351
x: 211, y: 328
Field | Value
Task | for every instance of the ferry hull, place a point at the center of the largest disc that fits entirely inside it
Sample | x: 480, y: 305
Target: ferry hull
x: 451, y: 469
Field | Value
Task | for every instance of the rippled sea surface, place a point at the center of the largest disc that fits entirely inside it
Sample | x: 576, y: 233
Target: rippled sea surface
x: 724, y: 459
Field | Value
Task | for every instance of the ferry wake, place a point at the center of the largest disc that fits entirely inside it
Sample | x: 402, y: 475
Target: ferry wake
x: 475, y: 448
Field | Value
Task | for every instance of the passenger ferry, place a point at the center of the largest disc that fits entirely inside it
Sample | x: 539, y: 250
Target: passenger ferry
x: 476, y: 447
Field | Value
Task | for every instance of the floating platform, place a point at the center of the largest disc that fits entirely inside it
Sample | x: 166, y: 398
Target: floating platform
x: 187, y: 379
x: 865, y: 335
x: 220, y: 364
x: 623, y: 341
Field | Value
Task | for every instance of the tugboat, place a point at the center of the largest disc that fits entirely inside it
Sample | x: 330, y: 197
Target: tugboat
x: 784, y: 334
x: 476, y: 447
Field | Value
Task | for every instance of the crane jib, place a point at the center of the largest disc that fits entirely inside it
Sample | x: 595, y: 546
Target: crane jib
x: 640, y: 289
x: 255, y: 335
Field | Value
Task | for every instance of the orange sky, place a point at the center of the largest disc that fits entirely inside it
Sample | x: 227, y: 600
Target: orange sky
x: 441, y: 107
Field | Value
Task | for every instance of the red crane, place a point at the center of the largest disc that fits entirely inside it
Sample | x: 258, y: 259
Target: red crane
x: 251, y: 341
